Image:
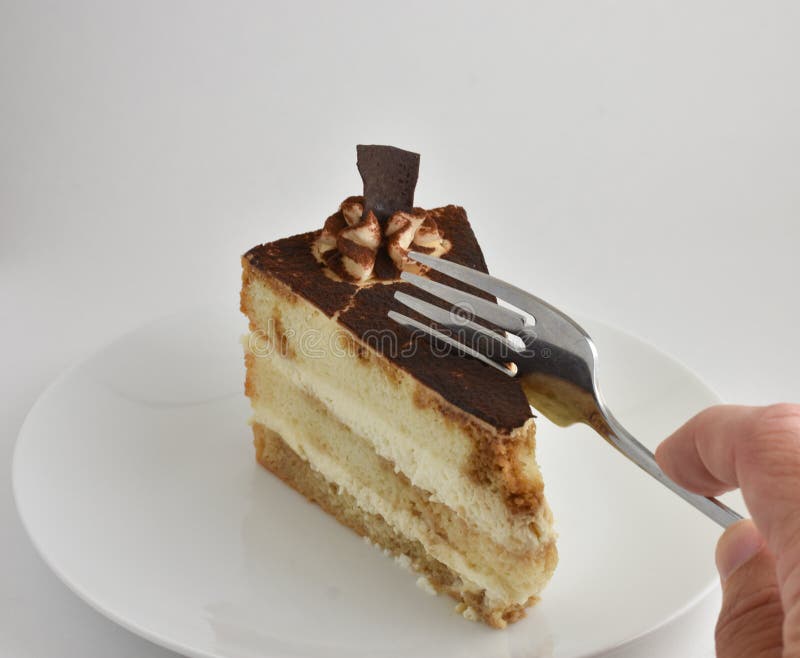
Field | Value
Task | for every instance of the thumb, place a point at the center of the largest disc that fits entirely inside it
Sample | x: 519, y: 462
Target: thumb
x: 751, y: 620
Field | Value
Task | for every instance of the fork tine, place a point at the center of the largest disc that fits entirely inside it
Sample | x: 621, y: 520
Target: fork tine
x: 409, y: 322
x: 502, y: 317
x: 500, y: 289
x: 445, y: 318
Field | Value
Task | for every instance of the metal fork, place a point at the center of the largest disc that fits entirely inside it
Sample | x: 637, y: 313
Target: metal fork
x: 554, y: 357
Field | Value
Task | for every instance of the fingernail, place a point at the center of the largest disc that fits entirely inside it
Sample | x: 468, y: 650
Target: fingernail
x: 738, y: 545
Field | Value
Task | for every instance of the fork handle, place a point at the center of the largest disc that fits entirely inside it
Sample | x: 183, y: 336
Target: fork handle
x: 624, y: 441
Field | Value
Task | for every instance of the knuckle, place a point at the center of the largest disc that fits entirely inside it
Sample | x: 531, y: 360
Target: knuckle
x: 750, y: 623
x: 781, y: 418
x: 774, y: 444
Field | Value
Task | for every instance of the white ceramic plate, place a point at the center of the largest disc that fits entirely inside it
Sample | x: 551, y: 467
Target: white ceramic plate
x: 135, y: 477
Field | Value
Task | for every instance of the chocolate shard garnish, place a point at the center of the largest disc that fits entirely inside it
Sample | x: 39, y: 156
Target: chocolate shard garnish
x: 390, y: 176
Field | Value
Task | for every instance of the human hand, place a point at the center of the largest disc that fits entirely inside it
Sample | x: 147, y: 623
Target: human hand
x: 758, y: 450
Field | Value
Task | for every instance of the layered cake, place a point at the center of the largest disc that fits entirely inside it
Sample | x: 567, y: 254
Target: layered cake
x: 426, y: 453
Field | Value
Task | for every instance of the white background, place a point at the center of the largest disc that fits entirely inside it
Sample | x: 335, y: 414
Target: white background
x: 641, y: 158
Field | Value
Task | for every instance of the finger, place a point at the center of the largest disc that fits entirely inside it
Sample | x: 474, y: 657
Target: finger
x: 757, y: 449
x: 754, y: 448
x: 680, y: 457
x: 751, y: 619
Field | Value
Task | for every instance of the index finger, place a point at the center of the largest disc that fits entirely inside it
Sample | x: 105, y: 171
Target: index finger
x: 756, y: 449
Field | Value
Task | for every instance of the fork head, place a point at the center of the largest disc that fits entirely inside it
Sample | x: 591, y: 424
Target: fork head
x: 551, y: 353
x: 553, y: 356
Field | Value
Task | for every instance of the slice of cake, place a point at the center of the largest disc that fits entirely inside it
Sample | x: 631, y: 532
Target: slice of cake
x: 428, y: 454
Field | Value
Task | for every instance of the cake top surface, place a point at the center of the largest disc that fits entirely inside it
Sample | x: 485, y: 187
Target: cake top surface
x: 362, y: 307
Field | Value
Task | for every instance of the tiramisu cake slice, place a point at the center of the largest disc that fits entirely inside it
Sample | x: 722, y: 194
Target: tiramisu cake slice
x: 428, y: 454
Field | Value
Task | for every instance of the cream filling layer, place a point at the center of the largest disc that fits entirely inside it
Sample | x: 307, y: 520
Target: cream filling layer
x: 347, y: 460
